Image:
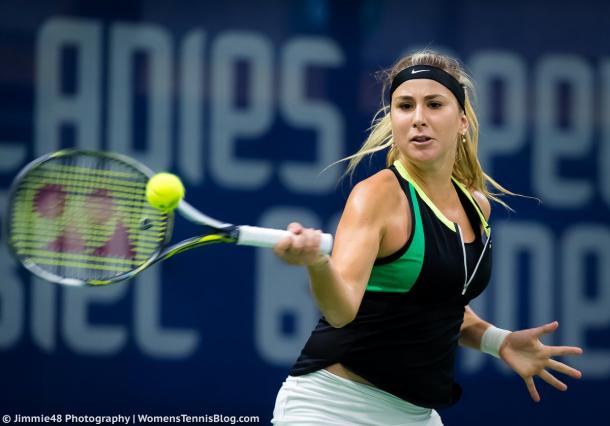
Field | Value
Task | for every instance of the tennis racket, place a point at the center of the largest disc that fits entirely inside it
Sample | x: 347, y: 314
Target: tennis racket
x: 81, y: 218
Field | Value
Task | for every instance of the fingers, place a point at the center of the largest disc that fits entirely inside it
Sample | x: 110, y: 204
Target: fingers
x: 295, y: 228
x: 556, y: 350
x: 544, y: 353
x: 302, y: 247
x: 282, y: 245
x: 531, y: 388
x: 286, y: 243
x: 298, y: 241
x: 565, y: 350
x: 306, y: 241
x: 546, y: 328
x: 315, y: 241
x: 564, y: 369
x: 552, y: 380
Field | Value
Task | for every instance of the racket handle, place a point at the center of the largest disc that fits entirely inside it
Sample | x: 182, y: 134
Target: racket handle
x: 267, y: 237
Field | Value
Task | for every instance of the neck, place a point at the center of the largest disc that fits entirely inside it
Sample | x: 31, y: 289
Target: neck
x: 433, y: 180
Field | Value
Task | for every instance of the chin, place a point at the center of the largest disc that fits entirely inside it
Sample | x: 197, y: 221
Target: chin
x: 427, y: 154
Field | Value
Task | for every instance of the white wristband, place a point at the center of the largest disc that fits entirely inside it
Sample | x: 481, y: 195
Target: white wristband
x: 492, y: 340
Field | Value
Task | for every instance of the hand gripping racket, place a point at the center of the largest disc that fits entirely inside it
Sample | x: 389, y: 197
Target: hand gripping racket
x: 81, y: 218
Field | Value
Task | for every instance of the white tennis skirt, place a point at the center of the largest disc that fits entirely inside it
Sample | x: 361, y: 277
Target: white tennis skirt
x: 323, y: 398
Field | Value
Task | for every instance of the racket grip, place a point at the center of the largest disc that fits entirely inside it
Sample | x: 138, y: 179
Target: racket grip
x: 267, y: 237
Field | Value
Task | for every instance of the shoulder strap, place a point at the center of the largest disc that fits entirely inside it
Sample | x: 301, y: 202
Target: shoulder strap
x: 475, y: 204
x: 404, y: 184
x: 416, y: 225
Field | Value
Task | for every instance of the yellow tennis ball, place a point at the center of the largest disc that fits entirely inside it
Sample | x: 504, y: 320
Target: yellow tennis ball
x: 164, y: 191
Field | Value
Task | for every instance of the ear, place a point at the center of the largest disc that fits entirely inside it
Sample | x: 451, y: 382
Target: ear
x: 464, y: 125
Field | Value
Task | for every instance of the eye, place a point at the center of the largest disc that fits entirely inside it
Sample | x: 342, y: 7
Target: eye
x: 435, y: 104
x: 405, y: 105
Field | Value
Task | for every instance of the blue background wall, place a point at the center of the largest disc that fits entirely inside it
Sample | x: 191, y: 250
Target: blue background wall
x: 248, y: 101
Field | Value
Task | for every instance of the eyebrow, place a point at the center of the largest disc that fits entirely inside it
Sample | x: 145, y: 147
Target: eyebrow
x: 426, y: 98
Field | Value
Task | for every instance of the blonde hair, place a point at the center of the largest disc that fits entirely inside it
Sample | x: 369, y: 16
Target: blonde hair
x: 467, y: 169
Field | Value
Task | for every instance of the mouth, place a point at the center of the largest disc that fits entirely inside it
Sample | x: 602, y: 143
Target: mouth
x: 421, y: 139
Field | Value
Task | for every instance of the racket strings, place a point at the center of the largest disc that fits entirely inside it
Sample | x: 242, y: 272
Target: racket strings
x: 85, y: 217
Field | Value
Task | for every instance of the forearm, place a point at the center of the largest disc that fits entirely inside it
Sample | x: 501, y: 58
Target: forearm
x: 334, y: 297
x: 472, y: 329
x: 481, y: 335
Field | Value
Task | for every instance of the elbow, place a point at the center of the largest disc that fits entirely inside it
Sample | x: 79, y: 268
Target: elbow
x: 338, y: 324
x: 340, y: 321
x: 341, y: 310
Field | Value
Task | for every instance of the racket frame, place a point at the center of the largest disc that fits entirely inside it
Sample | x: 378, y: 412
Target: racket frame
x: 49, y: 276
x: 220, y: 232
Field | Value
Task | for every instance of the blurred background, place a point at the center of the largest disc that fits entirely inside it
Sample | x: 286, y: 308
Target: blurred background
x: 248, y: 102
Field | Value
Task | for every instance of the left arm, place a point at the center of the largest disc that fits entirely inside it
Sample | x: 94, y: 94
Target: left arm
x: 521, y: 350
x: 472, y: 329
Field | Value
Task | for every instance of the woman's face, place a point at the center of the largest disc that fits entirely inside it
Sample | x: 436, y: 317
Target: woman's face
x: 426, y: 121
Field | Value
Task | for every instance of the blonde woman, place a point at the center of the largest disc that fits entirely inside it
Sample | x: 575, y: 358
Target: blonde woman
x: 412, y: 248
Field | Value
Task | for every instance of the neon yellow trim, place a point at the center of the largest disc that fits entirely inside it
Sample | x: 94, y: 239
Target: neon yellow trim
x: 476, y: 206
x: 451, y: 225
x: 405, y: 174
x: 100, y: 282
x: 203, y: 240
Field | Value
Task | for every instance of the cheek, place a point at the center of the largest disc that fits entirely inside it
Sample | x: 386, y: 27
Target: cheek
x: 399, y: 122
x: 450, y: 127
x: 399, y: 133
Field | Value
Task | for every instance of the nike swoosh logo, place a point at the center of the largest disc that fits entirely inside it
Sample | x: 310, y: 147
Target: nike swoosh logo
x: 415, y: 72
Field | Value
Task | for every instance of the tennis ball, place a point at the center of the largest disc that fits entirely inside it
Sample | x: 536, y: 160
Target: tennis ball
x: 164, y: 191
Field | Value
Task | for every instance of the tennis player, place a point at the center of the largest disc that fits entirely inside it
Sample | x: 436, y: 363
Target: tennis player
x: 412, y: 249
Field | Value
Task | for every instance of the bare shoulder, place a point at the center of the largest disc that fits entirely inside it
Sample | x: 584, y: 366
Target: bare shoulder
x: 483, y: 202
x: 375, y: 205
x: 377, y: 193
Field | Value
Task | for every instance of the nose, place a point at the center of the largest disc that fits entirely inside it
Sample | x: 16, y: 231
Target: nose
x: 419, y: 118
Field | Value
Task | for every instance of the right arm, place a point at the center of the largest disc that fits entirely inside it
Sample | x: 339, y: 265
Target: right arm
x: 338, y: 282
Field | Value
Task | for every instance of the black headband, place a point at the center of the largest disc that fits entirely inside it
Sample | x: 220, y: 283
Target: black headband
x: 430, y: 73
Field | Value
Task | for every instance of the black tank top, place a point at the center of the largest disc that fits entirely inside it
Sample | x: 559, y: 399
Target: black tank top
x: 404, y: 337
